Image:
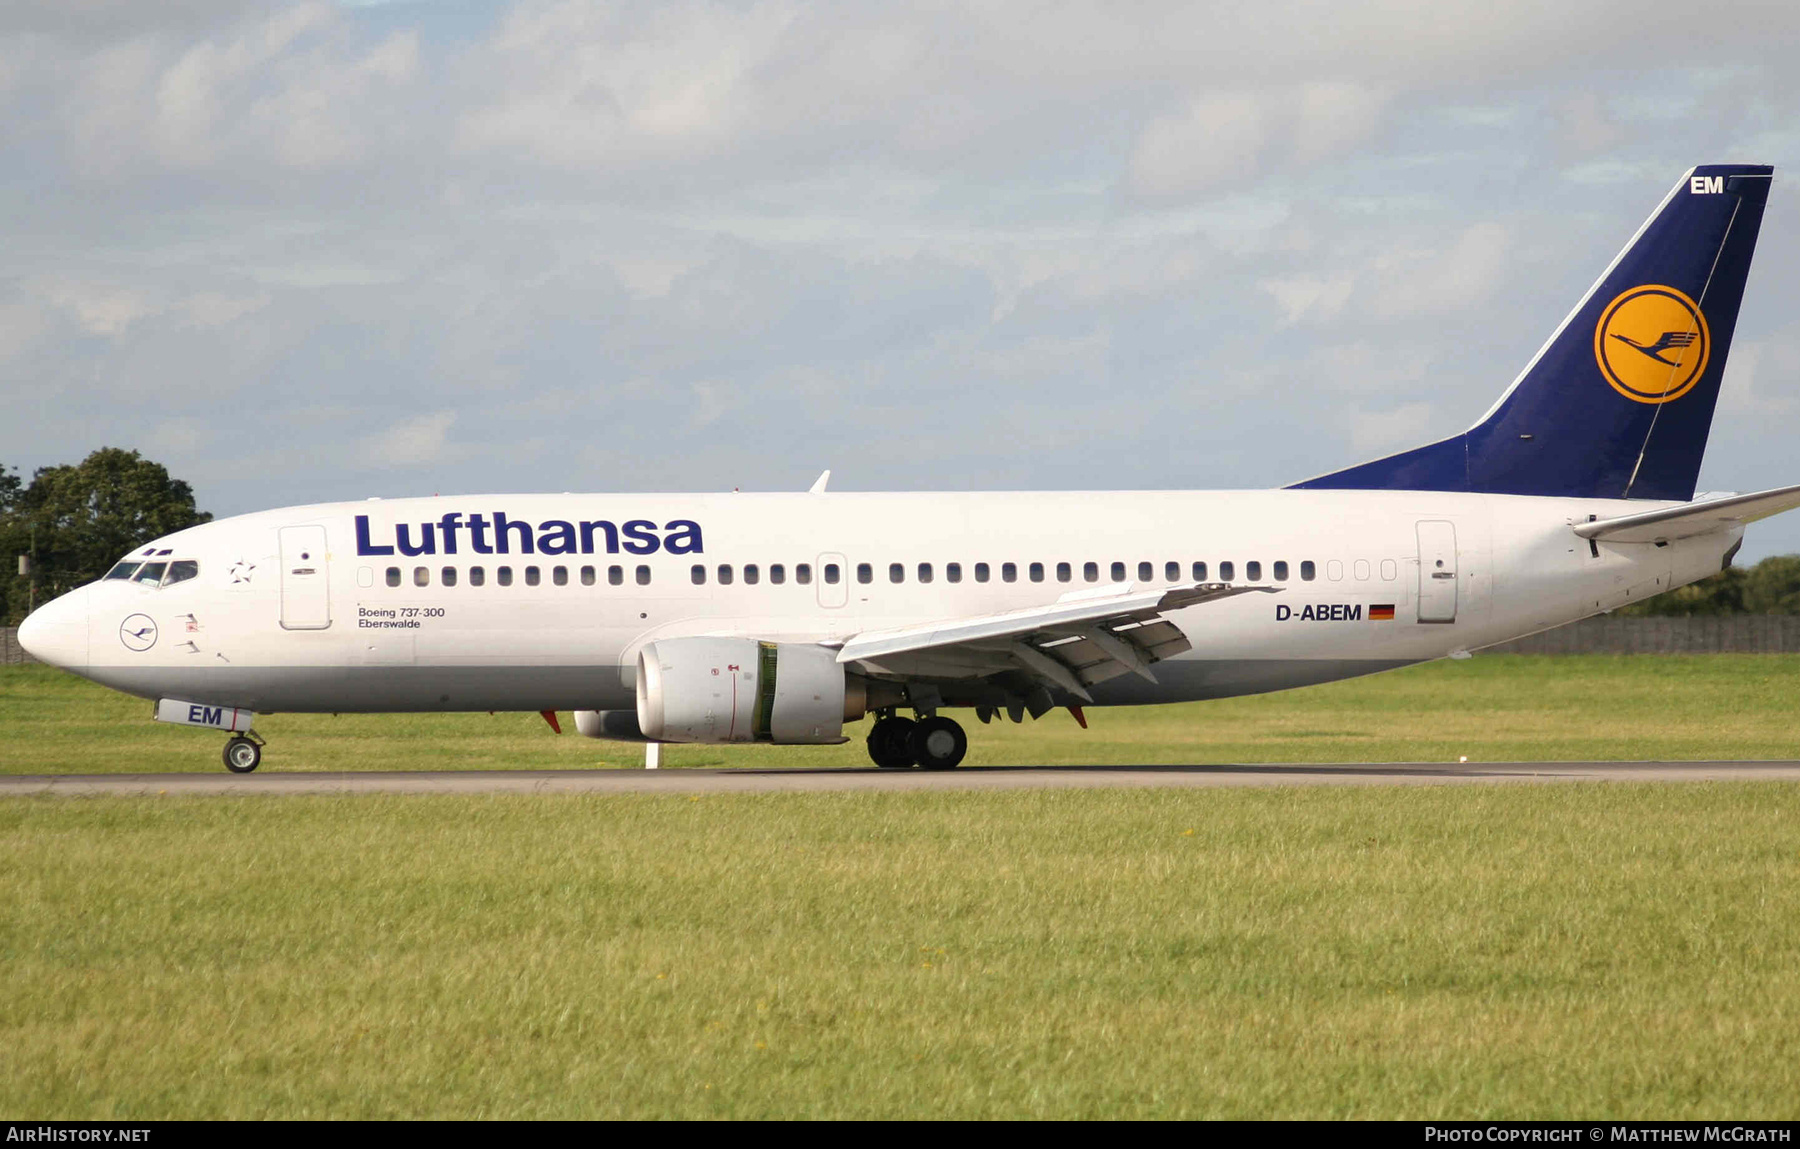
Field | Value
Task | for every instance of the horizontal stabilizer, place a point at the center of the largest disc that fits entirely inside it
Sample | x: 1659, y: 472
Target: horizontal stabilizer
x: 1692, y: 518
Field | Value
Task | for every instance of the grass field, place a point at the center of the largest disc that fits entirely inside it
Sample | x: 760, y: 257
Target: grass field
x: 1499, y: 708
x: 1616, y: 950
x: 1598, y: 951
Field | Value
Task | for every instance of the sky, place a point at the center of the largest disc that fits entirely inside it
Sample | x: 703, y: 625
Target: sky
x: 318, y: 251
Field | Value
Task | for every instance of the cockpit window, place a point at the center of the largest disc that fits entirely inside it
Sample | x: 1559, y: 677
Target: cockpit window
x: 150, y: 574
x: 182, y: 570
x: 123, y: 570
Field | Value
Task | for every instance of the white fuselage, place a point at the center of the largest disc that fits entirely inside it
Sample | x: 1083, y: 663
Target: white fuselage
x: 285, y: 614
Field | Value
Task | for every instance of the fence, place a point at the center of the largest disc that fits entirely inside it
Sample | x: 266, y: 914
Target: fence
x: 1723, y: 634
x: 11, y: 653
x: 1718, y: 634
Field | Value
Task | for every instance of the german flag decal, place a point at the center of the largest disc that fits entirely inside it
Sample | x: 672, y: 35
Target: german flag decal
x: 1381, y: 612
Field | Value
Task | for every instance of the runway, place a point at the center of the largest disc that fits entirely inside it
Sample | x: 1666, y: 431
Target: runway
x: 749, y: 781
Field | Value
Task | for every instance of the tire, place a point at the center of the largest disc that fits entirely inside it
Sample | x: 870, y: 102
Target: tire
x: 938, y: 744
x: 890, y: 743
x: 242, y: 756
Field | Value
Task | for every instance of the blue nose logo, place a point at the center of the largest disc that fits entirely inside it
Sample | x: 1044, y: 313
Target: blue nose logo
x: 138, y: 632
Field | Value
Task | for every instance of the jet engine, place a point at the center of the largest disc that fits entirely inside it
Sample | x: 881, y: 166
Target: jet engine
x: 742, y: 690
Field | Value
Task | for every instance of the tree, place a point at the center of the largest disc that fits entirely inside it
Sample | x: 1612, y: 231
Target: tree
x: 78, y: 520
x: 1772, y: 586
x: 12, y: 542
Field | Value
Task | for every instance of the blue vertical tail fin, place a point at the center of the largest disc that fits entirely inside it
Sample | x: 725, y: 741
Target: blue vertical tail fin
x: 1618, y: 403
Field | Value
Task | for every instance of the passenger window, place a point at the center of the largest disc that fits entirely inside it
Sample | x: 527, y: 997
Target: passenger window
x: 643, y: 576
x: 615, y: 576
x: 393, y: 576
x: 724, y: 574
x: 123, y: 570
x: 896, y: 572
x: 924, y: 572
x: 1360, y: 572
x: 182, y: 570
x: 1308, y: 571
x: 1281, y: 571
x: 477, y: 576
x: 1253, y: 571
x: 803, y: 573
x: 531, y: 576
x: 1090, y: 572
x: 1334, y: 570
x: 150, y: 574
x: 1389, y: 570
x: 1146, y: 572
x: 1171, y: 572
x: 698, y: 574
x: 1009, y: 572
x: 778, y: 574
x: 1199, y: 572
x: 1036, y: 571
x: 559, y: 576
x: 752, y: 574
x: 421, y: 576
x: 1118, y: 572
x: 1064, y: 572
x: 448, y: 576
x: 832, y: 574
x: 587, y: 576
x: 952, y: 572
x: 865, y: 573
x: 365, y: 576
x: 503, y: 575
x: 981, y: 572
x: 1227, y: 572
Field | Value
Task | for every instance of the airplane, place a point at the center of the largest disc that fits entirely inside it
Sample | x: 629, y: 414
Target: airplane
x: 781, y: 617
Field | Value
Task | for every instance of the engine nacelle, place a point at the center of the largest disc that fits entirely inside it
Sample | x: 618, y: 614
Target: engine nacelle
x: 742, y: 690
x: 612, y: 725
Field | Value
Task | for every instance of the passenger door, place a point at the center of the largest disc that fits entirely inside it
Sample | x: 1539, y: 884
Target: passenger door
x: 305, y: 579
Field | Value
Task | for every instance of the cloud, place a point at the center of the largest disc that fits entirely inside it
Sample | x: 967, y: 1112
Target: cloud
x: 553, y: 244
x: 1424, y: 282
x: 1379, y: 432
x: 104, y: 309
x: 1226, y: 140
x: 1310, y: 296
x: 1214, y: 139
x: 283, y: 88
x: 418, y: 441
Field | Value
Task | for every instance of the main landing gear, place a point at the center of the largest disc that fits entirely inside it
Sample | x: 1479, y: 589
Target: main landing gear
x: 243, y: 753
x: 933, y: 743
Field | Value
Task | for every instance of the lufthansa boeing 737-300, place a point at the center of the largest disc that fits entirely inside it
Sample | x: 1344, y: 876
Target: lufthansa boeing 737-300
x: 781, y: 617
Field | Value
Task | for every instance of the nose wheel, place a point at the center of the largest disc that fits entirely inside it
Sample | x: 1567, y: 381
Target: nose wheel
x: 243, y: 755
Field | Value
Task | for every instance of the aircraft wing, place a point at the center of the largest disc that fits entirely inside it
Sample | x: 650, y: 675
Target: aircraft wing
x: 1690, y: 519
x: 1073, y: 643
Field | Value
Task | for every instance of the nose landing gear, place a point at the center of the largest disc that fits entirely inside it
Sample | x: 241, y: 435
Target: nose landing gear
x: 934, y: 743
x: 243, y: 753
